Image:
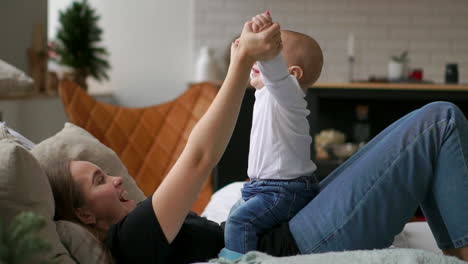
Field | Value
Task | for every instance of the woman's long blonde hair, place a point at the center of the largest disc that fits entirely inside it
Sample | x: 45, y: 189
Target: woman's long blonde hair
x: 68, y: 197
x: 67, y: 194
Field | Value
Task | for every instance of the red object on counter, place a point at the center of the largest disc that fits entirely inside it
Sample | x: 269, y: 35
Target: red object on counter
x: 416, y: 74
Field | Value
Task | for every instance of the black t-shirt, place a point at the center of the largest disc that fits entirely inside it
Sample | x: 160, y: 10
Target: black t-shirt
x: 138, y: 238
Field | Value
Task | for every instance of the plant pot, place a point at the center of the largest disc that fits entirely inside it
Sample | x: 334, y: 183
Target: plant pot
x: 78, y: 78
x: 52, y: 83
x: 395, y: 71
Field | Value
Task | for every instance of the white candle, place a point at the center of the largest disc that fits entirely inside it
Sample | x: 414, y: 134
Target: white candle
x: 350, y: 44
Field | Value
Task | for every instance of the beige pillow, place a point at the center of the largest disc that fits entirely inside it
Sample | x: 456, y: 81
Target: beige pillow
x: 81, y: 244
x: 22, y: 140
x: 24, y: 187
x: 14, y: 81
x: 76, y: 143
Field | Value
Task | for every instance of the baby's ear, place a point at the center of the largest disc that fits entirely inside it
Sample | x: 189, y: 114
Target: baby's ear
x: 296, y: 71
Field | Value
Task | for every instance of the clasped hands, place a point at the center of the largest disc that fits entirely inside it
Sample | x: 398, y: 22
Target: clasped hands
x: 260, y: 39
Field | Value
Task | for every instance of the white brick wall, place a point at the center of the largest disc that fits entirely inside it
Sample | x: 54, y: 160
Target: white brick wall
x: 434, y: 32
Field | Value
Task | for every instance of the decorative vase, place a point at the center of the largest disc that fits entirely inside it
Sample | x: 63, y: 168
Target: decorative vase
x: 52, y: 83
x: 206, y: 68
x: 395, y: 71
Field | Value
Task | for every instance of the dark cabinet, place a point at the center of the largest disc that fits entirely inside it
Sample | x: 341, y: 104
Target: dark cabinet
x: 333, y: 106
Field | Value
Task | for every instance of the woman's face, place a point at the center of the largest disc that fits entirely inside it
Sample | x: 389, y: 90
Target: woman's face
x: 105, y: 201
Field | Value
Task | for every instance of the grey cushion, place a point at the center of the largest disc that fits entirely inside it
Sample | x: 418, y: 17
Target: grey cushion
x: 81, y: 244
x: 24, y: 187
x: 14, y: 81
x: 73, y: 142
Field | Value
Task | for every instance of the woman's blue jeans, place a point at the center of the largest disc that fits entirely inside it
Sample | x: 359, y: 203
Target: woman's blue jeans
x: 420, y: 159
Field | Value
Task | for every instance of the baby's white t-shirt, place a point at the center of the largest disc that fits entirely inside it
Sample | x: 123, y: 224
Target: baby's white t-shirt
x: 280, y: 137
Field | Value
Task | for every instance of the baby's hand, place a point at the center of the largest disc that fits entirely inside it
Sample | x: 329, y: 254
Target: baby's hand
x: 261, y: 21
x: 263, y: 45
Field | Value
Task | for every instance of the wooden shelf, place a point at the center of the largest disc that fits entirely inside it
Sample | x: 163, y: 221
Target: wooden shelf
x: 384, y: 86
x: 26, y: 96
x: 34, y: 95
x: 392, y: 86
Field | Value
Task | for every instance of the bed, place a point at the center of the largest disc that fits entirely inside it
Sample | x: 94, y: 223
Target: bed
x: 85, y: 111
x: 73, y: 244
x: 415, y: 244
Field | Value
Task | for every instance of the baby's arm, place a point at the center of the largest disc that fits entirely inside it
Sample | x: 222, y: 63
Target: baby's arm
x: 284, y: 87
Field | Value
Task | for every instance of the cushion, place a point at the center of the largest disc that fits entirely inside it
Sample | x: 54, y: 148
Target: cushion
x: 76, y: 143
x: 24, y: 187
x: 221, y: 202
x: 81, y: 244
x: 417, y: 235
x: 25, y: 142
x: 13, y: 80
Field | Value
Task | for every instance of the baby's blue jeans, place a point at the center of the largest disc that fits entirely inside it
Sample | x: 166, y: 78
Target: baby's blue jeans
x: 420, y: 159
x: 267, y: 204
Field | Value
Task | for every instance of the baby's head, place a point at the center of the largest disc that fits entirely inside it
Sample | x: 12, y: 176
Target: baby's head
x: 303, y: 56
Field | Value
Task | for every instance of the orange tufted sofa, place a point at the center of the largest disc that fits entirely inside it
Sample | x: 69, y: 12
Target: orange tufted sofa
x: 148, y: 140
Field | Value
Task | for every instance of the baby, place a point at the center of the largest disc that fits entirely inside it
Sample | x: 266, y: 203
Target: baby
x: 281, y: 172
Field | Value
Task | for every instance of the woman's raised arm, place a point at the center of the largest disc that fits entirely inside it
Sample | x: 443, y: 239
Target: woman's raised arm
x: 209, y: 138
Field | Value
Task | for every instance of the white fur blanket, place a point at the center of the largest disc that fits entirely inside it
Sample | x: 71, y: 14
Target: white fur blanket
x: 382, y: 256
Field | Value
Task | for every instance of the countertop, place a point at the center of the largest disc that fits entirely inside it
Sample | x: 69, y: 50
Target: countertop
x: 392, y: 86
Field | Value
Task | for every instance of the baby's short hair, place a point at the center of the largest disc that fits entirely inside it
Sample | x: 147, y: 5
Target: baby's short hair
x: 302, y: 50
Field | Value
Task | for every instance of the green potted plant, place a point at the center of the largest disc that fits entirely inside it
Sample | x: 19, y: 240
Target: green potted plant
x: 77, y: 43
x: 21, y: 243
x: 396, y: 66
